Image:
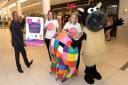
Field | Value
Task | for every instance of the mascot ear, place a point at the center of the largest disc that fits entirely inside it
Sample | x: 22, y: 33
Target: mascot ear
x: 82, y: 15
x: 99, y: 5
x: 80, y: 10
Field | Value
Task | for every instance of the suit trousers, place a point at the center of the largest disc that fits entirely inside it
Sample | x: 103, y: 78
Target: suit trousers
x: 18, y: 50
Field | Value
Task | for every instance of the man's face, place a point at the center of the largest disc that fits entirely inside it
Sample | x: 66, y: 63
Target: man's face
x: 15, y: 16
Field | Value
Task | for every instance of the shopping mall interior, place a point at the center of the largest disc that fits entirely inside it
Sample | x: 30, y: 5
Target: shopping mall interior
x: 113, y: 69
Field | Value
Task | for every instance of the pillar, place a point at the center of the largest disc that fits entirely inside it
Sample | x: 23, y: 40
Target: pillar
x: 45, y: 7
x: 18, y: 5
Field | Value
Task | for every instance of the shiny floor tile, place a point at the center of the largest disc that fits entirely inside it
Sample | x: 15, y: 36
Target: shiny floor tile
x: 39, y: 73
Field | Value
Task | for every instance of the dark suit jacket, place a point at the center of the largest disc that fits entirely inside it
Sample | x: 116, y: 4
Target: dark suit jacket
x: 17, y: 35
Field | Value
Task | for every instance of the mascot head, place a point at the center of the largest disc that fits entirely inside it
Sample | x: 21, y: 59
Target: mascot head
x: 92, y: 17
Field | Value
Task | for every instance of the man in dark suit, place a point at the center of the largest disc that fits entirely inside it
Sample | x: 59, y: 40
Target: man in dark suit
x: 17, y: 42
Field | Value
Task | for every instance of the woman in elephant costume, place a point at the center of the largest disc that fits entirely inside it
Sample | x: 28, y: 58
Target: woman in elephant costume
x: 64, y: 56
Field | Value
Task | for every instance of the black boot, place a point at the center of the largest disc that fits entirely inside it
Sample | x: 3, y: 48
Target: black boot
x: 29, y: 64
x: 20, y: 69
x: 88, y: 75
x: 96, y: 74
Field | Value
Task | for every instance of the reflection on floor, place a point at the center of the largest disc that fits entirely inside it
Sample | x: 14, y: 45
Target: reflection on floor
x: 38, y: 74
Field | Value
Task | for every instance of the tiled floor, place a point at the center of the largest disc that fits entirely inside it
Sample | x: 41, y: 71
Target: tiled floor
x: 38, y: 74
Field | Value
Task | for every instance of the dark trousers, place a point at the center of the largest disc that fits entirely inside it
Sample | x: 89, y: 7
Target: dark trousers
x: 18, y: 50
x: 79, y: 48
x: 47, y: 41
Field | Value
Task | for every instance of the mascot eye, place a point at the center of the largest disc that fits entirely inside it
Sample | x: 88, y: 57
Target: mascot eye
x: 90, y: 10
x: 96, y: 9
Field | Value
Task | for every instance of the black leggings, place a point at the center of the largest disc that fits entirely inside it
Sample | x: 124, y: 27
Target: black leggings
x: 17, y: 50
x: 47, y: 41
x: 79, y: 49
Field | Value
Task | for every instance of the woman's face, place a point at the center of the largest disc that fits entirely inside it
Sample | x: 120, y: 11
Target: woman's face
x: 73, y: 19
x: 50, y: 15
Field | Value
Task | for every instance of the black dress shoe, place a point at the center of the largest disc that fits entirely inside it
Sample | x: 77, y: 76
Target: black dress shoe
x: 29, y: 64
x: 20, y: 70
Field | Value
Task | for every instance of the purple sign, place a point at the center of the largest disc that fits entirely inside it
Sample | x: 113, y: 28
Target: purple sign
x: 34, y: 31
x: 34, y: 27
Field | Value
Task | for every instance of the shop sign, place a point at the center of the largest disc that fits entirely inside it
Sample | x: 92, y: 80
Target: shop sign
x: 71, y: 5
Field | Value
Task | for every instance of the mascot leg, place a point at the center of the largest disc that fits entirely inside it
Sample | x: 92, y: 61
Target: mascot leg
x: 53, y: 68
x: 71, y: 71
x: 91, y: 74
x: 96, y: 74
x: 54, y: 63
x: 61, y: 71
x: 88, y: 75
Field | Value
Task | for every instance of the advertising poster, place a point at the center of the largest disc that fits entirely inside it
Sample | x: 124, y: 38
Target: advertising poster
x: 34, y: 31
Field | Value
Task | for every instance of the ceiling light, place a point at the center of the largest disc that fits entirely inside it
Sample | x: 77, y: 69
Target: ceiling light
x: 21, y: 1
x: 31, y: 5
x: 12, y: 5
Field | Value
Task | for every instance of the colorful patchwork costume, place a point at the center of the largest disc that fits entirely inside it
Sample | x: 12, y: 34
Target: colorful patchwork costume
x: 64, y: 56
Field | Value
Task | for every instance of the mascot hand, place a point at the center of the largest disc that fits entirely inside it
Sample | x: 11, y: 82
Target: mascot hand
x: 76, y: 43
x: 119, y: 22
x: 83, y: 37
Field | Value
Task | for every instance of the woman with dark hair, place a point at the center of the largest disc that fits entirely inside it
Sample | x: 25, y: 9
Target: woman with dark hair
x: 17, y: 42
x: 51, y: 25
x: 108, y: 28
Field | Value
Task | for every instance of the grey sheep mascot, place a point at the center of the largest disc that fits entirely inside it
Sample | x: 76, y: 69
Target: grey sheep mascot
x: 94, y: 21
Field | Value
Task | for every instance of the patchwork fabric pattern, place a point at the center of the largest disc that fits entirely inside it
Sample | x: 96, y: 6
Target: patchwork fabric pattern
x: 64, y: 56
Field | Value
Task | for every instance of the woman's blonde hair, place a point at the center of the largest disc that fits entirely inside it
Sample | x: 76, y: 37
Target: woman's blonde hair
x: 75, y: 16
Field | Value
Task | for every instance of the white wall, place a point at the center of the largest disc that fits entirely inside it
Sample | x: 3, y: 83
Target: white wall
x: 123, y: 5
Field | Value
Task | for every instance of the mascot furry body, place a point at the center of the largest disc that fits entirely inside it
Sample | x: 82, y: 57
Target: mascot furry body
x: 94, y: 21
x: 94, y: 47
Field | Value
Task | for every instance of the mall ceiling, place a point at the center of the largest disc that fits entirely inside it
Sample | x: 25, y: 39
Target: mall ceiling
x: 6, y: 3
x: 3, y: 2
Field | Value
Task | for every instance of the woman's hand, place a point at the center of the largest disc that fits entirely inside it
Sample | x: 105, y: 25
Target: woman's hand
x: 63, y: 30
x: 77, y: 36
